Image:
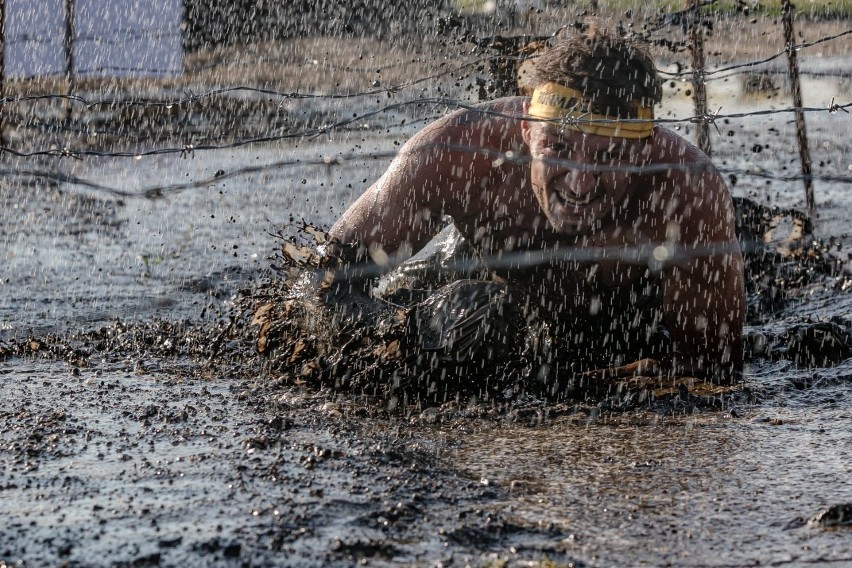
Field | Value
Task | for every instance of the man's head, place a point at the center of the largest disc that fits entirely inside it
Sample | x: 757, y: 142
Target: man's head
x: 615, y: 74
x: 590, y: 116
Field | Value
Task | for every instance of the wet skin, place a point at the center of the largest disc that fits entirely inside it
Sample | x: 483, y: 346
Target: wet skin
x: 512, y: 185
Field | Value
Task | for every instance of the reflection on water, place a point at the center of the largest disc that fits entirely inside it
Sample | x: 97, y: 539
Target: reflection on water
x: 708, y: 489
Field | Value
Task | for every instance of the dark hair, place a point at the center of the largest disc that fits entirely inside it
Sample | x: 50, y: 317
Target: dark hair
x: 615, y: 72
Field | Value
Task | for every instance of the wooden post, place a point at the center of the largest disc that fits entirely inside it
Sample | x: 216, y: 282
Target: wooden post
x: 699, y: 87
x: 801, y: 131
x: 69, y: 54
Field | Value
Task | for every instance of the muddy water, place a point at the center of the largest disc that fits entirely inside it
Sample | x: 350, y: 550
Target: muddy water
x: 152, y: 452
x: 731, y: 488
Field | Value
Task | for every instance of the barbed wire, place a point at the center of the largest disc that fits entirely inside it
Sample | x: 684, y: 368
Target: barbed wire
x: 191, y: 148
x: 703, y: 73
x: 164, y: 191
x: 52, y: 128
x: 749, y: 65
x: 192, y: 97
x: 346, y: 125
x: 655, y: 255
x: 149, y: 71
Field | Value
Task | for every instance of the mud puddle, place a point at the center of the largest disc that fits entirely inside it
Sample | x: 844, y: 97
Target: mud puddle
x: 128, y: 467
x: 731, y: 488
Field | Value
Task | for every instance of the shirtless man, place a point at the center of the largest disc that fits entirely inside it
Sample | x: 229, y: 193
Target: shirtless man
x: 614, y: 224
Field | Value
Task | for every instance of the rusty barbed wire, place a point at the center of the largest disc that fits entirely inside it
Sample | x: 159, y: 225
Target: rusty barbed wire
x: 833, y: 108
x: 351, y: 160
x: 749, y: 65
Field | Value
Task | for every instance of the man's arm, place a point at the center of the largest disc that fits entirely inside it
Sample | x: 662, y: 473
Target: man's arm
x: 396, y: 215
x: 442, y: 170
x: 703, y: 290
x: 703, y: 308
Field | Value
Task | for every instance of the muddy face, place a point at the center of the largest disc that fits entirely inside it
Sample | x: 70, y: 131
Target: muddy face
x: 576, y: 177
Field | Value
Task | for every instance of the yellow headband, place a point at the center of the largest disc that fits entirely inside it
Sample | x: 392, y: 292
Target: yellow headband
x: 552, y: 101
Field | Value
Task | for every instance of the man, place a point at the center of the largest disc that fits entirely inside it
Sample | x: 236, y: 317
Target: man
x: 617, y: 230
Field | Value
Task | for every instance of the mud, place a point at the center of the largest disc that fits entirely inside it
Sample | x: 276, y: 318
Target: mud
x: 175, y: 461
x: 140, y: 426
x: 140, y: 468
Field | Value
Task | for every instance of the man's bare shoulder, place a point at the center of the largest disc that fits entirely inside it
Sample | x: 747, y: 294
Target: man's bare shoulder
x: 691, y: 169
x: 693, y: 189
x: 504, y: 109
x: 676, y: 149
